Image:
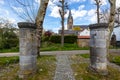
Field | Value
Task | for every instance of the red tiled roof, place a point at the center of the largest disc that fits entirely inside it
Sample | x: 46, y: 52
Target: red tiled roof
x: 84, y: 37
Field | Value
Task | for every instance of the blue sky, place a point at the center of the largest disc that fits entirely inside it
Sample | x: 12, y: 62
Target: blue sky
x: 83, y: 11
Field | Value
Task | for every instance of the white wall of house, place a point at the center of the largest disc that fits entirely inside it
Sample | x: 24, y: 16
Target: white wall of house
x: 85, y: 32
x: 116, y: 31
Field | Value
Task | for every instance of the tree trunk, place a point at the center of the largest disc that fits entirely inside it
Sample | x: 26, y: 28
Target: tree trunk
x: 111, y: 21
x: 98, y: 12
x: 112, y: 15
x: 39, y: 22
x: 62, y: 34
x: 62, y: 22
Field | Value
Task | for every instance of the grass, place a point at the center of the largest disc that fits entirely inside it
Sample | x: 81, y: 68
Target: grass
x: 16, y: 49
x: 45, y: 70
x: 57, y: 47
x: 114, y: 58
x: 8, y: 60
x: 51, y: 47
x: 81, y: 71
x: 85, y: 55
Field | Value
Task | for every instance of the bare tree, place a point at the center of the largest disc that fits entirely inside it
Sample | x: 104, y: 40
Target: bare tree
x: 25, y: 9
x: 98, y: 3
x: 112, y: 15
x: 117, y: 18
x: 31, y: 11
x: 39, y: 21
x: 109, y: 17
x: 104, y: 16
x: 62, y: 11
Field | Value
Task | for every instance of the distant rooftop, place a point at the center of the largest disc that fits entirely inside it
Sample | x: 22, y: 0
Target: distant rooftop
x: 81, y: 26
x: 83, y: 37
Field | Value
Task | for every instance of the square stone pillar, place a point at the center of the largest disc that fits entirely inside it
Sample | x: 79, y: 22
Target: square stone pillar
x: 28, y: 49
x: 99, y: 35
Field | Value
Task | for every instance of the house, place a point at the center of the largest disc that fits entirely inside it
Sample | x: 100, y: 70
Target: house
x: 83, y: 38
x: 116, y: 31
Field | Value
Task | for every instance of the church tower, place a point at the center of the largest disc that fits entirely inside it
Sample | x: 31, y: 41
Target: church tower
x: 70, y: 21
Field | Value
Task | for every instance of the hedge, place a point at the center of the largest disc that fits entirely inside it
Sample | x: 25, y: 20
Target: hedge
x: 67, y: 39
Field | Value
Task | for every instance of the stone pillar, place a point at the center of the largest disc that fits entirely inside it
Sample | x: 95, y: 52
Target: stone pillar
x: 98, y: 47
x: 28, y: 49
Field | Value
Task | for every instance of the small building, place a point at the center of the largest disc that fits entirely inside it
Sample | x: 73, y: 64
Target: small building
x: 84, y: 38
x: 116, y: 31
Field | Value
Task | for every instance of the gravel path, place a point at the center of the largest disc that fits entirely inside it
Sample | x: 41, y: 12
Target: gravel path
x: 63, y: 69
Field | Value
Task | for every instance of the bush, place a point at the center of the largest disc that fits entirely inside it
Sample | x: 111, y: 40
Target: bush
x: 45, y: 39
x: 55, y: 39
x: 8, y: 39
x: 70, y: 39
x: 67, y: 39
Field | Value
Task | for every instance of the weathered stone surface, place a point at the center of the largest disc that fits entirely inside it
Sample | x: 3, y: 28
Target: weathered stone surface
x: 83, y: 42
x: 63, y: 70
x: 98, y: 47
x: 28, y: 49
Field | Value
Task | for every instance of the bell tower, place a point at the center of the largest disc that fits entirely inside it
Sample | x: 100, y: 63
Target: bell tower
x: 70, y: 21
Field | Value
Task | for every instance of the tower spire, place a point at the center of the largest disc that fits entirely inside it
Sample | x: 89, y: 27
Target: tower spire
x: 70, y: 21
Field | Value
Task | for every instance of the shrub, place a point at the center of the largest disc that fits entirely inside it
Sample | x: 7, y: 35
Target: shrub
x: 55, y: 39
x: 70, y: 39
x: 45, y: 39
x: 8, y: 39
x: 67, y: 39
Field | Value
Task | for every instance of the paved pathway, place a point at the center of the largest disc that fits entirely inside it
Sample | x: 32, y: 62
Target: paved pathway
x: 59, y: 52
x: 63, y: 69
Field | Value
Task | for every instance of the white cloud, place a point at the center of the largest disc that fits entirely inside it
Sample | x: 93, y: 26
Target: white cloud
x: 93, y: 19
x: 18, y: 9
x: 4, y: 12
x: 91, y: 16
x: 91, y: 12
x: 11, y: 20
x: 56, y: 30
x: 54, y: 12
x: 76, y: 13
x: 79, y: 13
x: 1, y: 1
x: 81, y: 7
x: 65, y: 27
x: 76, y: 1
x: 37, y: 1
x: 103, y: 2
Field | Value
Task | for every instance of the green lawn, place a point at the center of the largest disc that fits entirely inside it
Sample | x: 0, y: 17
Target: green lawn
x: 16, y: 49
x: 57, y: 47
x: 51, y: 47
